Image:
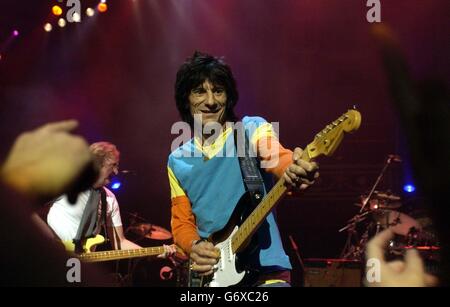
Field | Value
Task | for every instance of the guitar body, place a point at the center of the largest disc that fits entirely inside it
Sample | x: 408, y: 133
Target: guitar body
x: 87, y: 245
x: 231, y: 268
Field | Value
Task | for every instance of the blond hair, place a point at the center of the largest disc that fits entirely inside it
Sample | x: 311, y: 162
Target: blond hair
x: 102, y: 151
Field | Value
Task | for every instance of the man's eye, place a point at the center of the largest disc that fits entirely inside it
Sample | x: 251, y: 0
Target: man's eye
x: 197, y: 91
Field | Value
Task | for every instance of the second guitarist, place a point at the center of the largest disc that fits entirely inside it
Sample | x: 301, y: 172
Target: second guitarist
x: 94, y: 208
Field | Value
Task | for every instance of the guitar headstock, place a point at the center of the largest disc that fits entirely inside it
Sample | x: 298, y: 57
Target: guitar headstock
x: 326, y: 141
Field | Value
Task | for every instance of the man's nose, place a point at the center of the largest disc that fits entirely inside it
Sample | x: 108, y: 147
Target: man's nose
x: 210, y: 100
x: 116, y: 170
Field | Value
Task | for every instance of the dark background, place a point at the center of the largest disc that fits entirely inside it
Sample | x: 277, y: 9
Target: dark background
x: 298, y: 62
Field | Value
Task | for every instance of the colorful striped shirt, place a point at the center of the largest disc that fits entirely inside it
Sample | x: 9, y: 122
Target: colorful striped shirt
x: 206, y: 184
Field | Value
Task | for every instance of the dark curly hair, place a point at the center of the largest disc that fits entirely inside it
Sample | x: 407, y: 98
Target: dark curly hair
x: 195, y: 71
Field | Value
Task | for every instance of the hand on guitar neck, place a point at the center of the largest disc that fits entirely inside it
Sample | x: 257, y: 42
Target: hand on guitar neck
x: 301, y: 173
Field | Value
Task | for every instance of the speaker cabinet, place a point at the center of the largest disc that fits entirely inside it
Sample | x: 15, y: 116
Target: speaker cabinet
x: 333, y: 273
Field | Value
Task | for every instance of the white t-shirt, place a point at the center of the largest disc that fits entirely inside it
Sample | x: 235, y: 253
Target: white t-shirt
x: 64, y: 218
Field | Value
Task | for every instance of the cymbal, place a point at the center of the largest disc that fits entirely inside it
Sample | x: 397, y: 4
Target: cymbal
x: 150, y: 231
x: 375, y: 204
x: 386, y: 196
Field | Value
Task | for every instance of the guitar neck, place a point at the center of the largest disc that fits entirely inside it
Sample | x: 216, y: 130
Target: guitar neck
x: 121, y: 254
x: 254, y: 220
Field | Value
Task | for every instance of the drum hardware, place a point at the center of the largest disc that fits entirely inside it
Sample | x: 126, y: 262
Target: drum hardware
x: 150, y: 231
x: 389, y: 160
x: 376, y: 214
x: 363, y: 222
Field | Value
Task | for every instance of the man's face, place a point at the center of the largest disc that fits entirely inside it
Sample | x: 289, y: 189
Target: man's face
x: 109, y: 168
x: 209, y: 101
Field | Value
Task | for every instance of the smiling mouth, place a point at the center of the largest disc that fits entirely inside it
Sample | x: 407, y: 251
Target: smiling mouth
x: 211, y: 112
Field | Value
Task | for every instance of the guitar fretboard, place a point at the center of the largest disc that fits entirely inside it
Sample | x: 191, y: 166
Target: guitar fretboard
x: 257, y: 216
x: 121, y: 254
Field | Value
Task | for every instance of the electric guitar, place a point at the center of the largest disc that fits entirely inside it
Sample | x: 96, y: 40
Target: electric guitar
x: 89, y: 256
x: 235, y: 237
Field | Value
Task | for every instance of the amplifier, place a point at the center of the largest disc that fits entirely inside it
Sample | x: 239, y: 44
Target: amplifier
x: 333, y: 273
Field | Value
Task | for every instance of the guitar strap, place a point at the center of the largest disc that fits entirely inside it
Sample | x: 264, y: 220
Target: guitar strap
x: 88, y: 223
x: 253, y: 181
x: 104, y: 215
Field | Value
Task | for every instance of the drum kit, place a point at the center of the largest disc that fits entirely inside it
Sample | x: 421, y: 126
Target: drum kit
x: 383, y: 211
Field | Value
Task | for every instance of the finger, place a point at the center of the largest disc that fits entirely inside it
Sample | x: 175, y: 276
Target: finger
x: 413, y: 260
x: 316, y: 175
x: 206, y: 273
x: 294, y: 179
x: 66, y: 125
x: 208, y: 246
x: 292, y: 176
x: 208, y: 253
x: 297, y: 170
x: 306, y: 181
x: 431, y: 280
x: 304, y: 186
x: 397, y: 266
x: 201, y: 268
x: 298, y: 178
x: 204, y: 259
x: 307, y: 166
x: 376, y: 246
x: 205, y: 245
x: 298, y: 152
x: 288, y: 179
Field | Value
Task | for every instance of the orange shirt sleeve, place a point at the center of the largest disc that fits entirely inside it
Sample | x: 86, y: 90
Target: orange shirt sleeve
x: 183, y: 225
x: 274, y: 157
x: 184, y: 228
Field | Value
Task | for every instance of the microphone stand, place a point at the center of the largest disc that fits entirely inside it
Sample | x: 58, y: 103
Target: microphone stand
x: 300, y: 261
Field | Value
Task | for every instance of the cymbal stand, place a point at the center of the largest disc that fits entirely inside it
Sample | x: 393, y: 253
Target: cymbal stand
x: 366, y: 200
x: 353, y: 244
x: 356, y: 251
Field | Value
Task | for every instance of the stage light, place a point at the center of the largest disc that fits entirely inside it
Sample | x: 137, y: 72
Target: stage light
x: 409, y: 188
x: 48, y: 27
x: 62, y: 22
x: 76, y: 17
x: 102, y: 7
x: 115, y: 185
x: 90, y: 12
x: 56, y: 10
x: 15, y: 33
